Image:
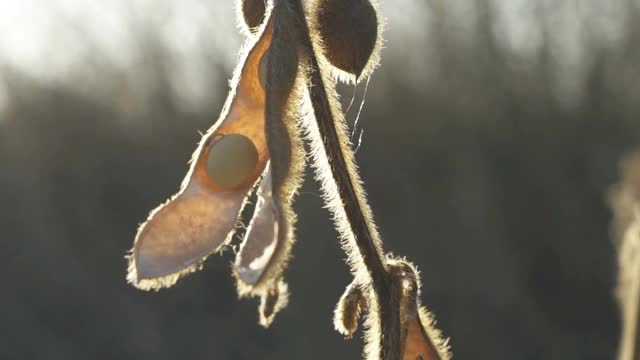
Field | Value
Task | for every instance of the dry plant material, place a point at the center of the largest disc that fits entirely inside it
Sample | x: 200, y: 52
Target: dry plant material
x: 253, y: 12
x: 256, y: 136
x: 350, y: 35
x: 418, y: 336
x: 265, y: 250
x: 199, y: 220
x: 349, y: 309
x: 283, y: 87
x: 260, y: 239
x: 336, y: 170
x: 272, y: 301
x: 625, y: 202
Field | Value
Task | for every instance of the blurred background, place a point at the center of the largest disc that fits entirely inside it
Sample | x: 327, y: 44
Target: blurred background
x: 492, y: 132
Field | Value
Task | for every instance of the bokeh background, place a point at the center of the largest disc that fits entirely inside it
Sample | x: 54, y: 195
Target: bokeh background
x: 492, y: 132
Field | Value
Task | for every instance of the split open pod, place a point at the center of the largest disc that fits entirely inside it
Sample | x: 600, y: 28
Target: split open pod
x: 256, y: 138
x: 200, y: 219
x: 265, y: 249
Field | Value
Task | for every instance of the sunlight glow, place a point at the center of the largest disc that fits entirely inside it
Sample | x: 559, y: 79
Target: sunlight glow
x: 70, y: 40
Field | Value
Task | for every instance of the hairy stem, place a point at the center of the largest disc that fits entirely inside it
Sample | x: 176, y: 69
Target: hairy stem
x: 358, y: 222
x: 386, y: 290
x: 349, y: 188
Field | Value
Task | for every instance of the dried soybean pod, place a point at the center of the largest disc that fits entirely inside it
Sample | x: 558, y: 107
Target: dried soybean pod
x: 265, y: 249
x: 262, y: 69
x: 347, y: 313
x: 200, y: 218
x: 272, y: 301
x: 253, y: 12
x: 418, y: 336
x: 350, y: 32
x: 416, y: 341
x: 260, y: 239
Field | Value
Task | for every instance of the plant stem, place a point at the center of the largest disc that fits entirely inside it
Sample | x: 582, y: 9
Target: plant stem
x: 361, y: 227
x: 358, y: 222
x: 385, y: 288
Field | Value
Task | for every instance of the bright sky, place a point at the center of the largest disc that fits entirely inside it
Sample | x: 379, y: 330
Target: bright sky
x: 35, y: 33
x: 47, y: 39
x: 43, y: 36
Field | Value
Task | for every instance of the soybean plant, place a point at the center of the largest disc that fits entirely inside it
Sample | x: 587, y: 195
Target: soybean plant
x: 284, y: 90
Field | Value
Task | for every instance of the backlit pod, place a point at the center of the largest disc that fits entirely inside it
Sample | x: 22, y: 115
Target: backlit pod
x: 350, y: 33
x: 253, y: 12
x: 261, y: 237
x: 231, y: 162
x: 419, y: 338
x: 200, y: 219
x: 265, y: 250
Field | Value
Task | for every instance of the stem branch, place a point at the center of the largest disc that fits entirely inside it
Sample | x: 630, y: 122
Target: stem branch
x: 360, y: 225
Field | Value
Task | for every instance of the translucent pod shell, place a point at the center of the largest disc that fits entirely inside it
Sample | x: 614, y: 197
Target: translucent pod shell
x: 265, y: 249
x: 261, y: 238
x: 200, y: 219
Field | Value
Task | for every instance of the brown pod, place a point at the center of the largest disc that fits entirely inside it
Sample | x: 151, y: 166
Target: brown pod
x: 349, y: 30
x: 274, y: 299
x: 253, y: 13
x: 265, y: 248
x: 200, y: 219
x: 418, y: 337
x: 347, y: 313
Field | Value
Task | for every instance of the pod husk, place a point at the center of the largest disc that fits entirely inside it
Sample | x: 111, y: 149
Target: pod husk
x: 200, y: 219
x: 252, y: 13
x: 349, y: 309
x: 350, y: 36
x: 272, y: 301
x: 418, y: 336
x: 266, y: 248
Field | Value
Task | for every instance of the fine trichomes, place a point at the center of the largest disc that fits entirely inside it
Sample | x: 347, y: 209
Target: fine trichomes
x: 284, y: 88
